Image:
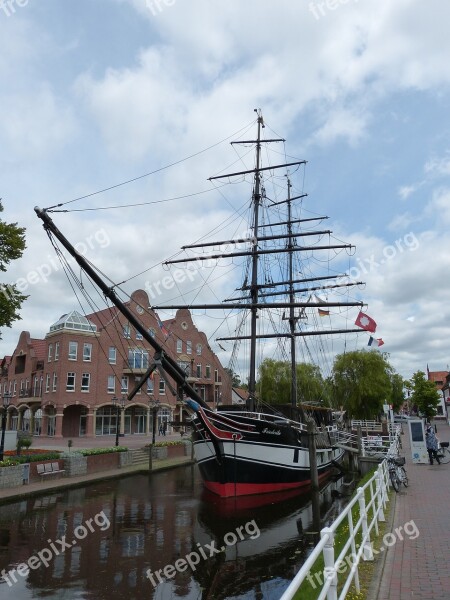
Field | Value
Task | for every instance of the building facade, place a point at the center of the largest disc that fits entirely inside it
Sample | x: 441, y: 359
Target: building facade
x: 439, y: 379
x: 63, y: 386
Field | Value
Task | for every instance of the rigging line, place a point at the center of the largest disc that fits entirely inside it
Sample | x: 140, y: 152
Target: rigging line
x: 112, y: 187
x: 134, y: 205
x: 123, y: 350
x: 68, y: 269
x: 231, y: 219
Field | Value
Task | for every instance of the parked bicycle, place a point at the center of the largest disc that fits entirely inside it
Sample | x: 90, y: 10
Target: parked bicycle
x: 397, y: 471
x: 444, y: 453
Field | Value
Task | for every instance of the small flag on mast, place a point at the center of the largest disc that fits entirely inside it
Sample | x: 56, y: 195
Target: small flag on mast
x: 365, y: 322
x: 162, y: 326
x: 323, y: 313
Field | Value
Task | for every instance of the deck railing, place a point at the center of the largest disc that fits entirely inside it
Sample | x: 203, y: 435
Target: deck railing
x: 343, y: 568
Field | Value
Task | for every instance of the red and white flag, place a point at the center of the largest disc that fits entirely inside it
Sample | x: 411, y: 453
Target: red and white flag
x: 365, y: 322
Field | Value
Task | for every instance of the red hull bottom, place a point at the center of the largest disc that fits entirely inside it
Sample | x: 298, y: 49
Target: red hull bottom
x: 228, y: 490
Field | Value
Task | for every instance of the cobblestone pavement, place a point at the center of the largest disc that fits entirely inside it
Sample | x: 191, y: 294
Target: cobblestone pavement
x: 416, y: 567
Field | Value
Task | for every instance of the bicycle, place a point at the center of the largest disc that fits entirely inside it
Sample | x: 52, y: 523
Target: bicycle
x: 397, y: 472
x: 443, y: 451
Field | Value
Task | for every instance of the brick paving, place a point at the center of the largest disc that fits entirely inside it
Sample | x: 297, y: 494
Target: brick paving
x: 418, y: 568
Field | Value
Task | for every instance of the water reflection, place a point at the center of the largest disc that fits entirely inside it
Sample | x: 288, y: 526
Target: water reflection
x: 154, y: 522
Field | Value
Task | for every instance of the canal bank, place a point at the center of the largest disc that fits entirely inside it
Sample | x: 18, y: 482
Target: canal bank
x: 47, y: 485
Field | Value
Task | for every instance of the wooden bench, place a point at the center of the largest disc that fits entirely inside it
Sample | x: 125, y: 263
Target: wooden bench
x: 49, y: 469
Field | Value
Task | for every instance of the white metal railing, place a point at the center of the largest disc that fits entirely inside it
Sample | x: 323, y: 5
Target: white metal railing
x: 380, y: 445
x: 345, y: 438
x: 378, y: 497
x: 366, y: 424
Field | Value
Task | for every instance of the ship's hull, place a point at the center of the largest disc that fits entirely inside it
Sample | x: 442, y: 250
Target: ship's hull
x: 244, y: 456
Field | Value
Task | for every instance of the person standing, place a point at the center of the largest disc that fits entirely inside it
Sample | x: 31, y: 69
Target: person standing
x: 432, y: 444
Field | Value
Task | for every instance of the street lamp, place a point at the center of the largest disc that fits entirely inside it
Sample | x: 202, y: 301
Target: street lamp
x: 6, y: 401
x: 119, y: 404
x: 154, y: 407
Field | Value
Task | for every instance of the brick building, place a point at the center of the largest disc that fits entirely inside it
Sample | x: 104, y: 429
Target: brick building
x: 438, y: 378
x: 63, y: 385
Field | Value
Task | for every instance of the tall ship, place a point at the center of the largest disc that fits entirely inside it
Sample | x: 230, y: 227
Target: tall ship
x: 258, y: 447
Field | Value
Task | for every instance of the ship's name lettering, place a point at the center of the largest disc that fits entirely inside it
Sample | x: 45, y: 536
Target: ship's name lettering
x: 272, y: 431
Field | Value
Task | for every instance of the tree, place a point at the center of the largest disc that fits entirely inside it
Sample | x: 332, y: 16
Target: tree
x: 397, y: 395
x: 234, y: 377
x: 362, y: 383
x: 424, y: 394
x: 12, y: 245
x: 274, y: 383
x: 310, y: 384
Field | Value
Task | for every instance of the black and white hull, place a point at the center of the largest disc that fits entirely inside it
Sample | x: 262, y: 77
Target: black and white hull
x: 244, y: 454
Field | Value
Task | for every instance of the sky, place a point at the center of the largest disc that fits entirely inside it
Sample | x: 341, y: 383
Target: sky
x: 94, y: 93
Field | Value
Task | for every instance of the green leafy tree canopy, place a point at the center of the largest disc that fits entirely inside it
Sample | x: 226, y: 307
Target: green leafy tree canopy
x: 274, y: 383
x: 12, y: 245
x: 424, y: 394
x: 362, y: 383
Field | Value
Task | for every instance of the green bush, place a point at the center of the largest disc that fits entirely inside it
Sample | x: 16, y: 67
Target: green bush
x: 24, y: 442
x: 163, y: 444
x: 93, y: 451
x: 20, y: 460
x: 8, y: 462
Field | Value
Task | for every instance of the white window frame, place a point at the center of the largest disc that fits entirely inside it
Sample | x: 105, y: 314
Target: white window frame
x: 85, y: 387
x: 73, y: 355
x: 188, y: 347
x: 111, y: 385
x: 50, y: 353
x: 124, y: 388
x: 127, y: 332
x: 71, y: 387
x: 87, y: 352
x: 55, y: 382
x: 56, y: 351
x: 179, y: 346
x: 112, y: 355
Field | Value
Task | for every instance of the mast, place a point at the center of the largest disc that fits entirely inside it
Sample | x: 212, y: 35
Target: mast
x: 254, y: 281
x: 292, y: 319
x: 166, y: 362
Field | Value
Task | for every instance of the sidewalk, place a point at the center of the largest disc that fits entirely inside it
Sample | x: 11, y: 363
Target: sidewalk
x: 103, y: 441
x: 418, y: 568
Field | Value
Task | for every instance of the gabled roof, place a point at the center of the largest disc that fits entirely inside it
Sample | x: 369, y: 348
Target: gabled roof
x: 40, y: 348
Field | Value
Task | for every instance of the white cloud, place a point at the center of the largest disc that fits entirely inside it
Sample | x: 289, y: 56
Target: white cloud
x: 34, y: 125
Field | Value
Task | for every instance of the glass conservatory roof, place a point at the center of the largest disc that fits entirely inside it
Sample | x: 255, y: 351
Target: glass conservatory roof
x: 73, y: 321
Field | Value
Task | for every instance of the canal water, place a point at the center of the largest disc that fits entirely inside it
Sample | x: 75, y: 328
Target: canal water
x: 156, y: 537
